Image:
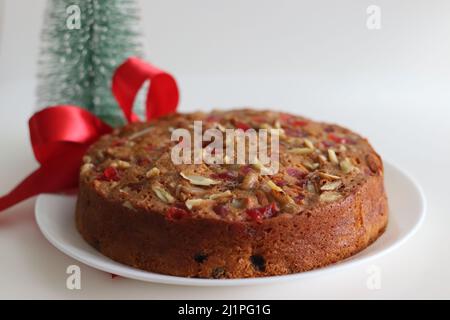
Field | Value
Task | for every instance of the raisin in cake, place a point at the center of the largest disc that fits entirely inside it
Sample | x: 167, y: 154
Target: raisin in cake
x: 326, y: 203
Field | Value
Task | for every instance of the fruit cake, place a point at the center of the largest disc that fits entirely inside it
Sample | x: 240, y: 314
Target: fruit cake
x: 326, y: 202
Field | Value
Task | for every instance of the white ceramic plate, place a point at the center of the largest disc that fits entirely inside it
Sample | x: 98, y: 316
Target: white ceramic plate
x: 55, y: 217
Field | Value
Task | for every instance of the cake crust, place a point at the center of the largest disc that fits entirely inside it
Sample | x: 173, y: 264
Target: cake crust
x: 332, y: 204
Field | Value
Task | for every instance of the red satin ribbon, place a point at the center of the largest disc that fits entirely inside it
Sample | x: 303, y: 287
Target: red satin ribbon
x: 60, y: 135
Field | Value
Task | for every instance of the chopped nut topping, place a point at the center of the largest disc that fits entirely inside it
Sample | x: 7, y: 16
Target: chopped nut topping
x: 373, y: 163
x: 314, y: 166
x: 332, y: 156
x: 190, y: 189
x: 322, y: 159
x: 346, y: 165
x: 311, y: 166
x: 113, y: 184
x: 163, y: 194
x: 277, y: 131
x: 250, y: 181
x: 310, y: 187
x: 99, y: 155
x: 140, y: 133
x: 153, y: 172
x: 273, y: 186
x: 283, y: 198
x: 301, y: 150
x: 85, y: 168
x: 279, y: 194
x: 238, y: 203
x: 195, y: 203
x: 290, y: 207
x: 309, y: 144
x: 330, y: 196
x: 128, y: 205
x: 330, y: 186
x: 328, y: 176
x: 120, y: 164
x: 227, y: 159
x: 224, y: 194
x: 130, y: 143
x: 259, y: 166
x: 199, y: 180
x: 87, y: 159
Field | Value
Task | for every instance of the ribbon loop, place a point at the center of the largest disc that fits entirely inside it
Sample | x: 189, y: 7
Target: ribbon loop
x: 60, y: 135
x: 54, y: 129
x: 162, y: 96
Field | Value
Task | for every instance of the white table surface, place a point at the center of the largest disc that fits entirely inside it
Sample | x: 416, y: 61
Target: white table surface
x: 408, y: 123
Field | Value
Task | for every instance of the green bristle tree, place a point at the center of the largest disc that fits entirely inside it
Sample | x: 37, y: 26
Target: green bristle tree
x: 83, y: 41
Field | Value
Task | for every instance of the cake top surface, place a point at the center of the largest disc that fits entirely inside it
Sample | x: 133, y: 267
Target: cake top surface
x: 317, y: 164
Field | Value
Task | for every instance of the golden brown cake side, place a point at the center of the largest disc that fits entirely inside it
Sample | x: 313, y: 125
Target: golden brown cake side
x: 220, y: 249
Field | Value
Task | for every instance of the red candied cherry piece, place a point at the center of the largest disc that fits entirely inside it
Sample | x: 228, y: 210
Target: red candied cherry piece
x: 337, y: 139
x: 327, y: 144
x: 242, y: 125
x: 271, y: 210
x: 174, y: 213
x: 289, y: 119
x: 143, y: 161
x: 255, y: 214
x: 284, y: 117
x: 119, y: 142
x: 213, y: 118
x: 221, y: 210
x: 258, y: 214
x: 279, y: 181
x: 299, y: 198
x: 293, y: 172
x: 245, y: 169
x: 259, y: 119
x: 110, y: 174
x: 298, y: 123
x: 302, y: 182
x: 292, y: 132
x: 226, y: 175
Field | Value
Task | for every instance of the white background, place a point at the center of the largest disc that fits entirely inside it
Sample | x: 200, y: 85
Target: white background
x: 315, y: 58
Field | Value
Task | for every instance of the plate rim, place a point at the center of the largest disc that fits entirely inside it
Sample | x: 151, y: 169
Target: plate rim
x: 142, y: 275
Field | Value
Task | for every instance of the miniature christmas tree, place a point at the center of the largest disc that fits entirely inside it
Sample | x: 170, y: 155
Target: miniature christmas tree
x: 83, y: 41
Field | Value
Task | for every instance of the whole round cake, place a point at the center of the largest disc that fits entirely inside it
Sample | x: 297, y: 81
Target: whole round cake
x: 324, y: 202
